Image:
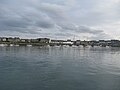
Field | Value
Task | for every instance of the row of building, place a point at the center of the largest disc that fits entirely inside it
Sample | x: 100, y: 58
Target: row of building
x: 103, y: 43
x: 17, y: 40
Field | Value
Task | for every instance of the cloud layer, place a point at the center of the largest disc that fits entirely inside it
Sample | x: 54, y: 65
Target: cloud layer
x: 62, y: 19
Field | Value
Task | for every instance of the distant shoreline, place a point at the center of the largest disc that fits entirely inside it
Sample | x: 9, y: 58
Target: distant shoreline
x: 16, y: 41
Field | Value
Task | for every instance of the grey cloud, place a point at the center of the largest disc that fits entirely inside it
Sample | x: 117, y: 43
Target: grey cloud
x: 45, y: 24
x: 63, y: 34
x: 85, y: 29
x: 100, y: 36
x: 67, y: 26
x: 55, y: 11
x: 79, y: 29
x: 16, y: 23
x: 36, y: 16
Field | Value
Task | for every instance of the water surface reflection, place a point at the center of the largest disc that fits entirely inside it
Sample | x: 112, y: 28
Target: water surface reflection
x: 59, y: 68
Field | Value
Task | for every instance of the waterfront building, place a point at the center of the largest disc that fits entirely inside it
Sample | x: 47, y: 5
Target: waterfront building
x: 9, y: 39
x: 34, y: 40
x: 43, y: 40
x: 25, y: 40
x: 68, y: 42
x: 94, y: 43
x: 102, y: 43
x: 3, y: 39
x: 0, y: 39
x: 57, y: 41
x: 77, y: 42
x: 16, y: 39
x: 84, y: 43
x: 115, y: 43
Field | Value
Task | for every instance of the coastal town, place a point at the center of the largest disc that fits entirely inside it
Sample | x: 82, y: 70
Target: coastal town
x: 16, y: 41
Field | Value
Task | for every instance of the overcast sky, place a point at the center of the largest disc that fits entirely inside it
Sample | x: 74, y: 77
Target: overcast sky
x: 60, y: 19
